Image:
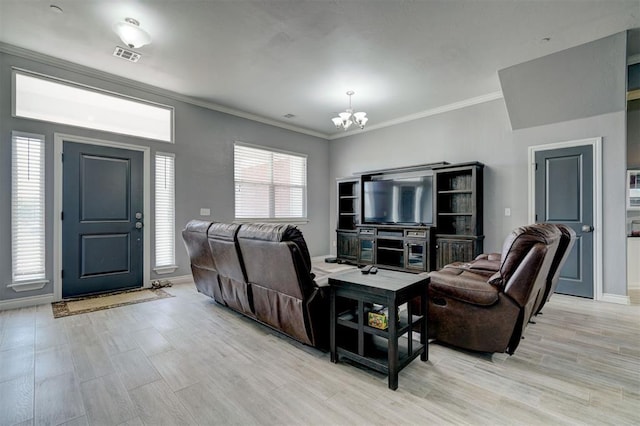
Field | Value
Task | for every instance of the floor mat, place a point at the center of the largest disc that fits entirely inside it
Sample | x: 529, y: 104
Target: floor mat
x: 106, y: 301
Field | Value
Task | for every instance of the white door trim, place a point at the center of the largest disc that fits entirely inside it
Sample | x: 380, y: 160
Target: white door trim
x: 596, y: 143
x: 57, y: 204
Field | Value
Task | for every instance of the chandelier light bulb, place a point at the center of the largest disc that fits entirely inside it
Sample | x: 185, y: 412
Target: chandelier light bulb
x: 131, y: 34
x: 348, y: 117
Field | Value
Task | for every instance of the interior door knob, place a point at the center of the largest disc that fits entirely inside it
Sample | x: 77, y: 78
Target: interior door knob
x: 587, y: 228
x: 138, y: 225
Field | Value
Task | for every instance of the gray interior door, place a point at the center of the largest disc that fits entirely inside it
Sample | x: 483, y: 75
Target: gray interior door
x: 564, y: 194
x: 101, y: 236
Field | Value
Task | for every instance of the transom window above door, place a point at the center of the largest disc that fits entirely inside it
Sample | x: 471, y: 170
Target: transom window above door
x: 46, y: 98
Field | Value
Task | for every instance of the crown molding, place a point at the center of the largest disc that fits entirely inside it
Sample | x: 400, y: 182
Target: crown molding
x: 94, y: 73
x: 427, y: 113
x: 112, y: 78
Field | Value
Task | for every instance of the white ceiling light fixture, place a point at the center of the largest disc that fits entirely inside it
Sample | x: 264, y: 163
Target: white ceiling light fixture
x: 347, y: 118
x: 131, y: 34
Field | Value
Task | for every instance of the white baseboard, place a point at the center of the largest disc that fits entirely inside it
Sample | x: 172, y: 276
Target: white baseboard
x: 615, y: 298
x: 25, y: 302
x: 182, y: 279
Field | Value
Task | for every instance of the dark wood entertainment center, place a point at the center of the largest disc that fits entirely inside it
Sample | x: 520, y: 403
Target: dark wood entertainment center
x: 452, y: 231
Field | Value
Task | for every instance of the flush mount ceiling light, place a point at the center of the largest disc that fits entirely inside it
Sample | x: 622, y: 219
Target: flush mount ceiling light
x: 131, y: 34
x: 347, y: 118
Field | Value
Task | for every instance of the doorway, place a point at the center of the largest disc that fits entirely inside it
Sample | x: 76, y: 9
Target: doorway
x: 565, y: 184
x: 102, y: 196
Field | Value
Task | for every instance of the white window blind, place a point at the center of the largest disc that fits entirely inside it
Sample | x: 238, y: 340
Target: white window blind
x: 27, y: 208
x: 165, y: 210
x: 269, y: 184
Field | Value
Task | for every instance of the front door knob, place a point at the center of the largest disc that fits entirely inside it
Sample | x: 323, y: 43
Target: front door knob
x: 587, y: 228
x: 138, y: 225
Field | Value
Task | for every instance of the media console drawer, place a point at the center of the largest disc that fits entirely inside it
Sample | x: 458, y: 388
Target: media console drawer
x: 417, y: 234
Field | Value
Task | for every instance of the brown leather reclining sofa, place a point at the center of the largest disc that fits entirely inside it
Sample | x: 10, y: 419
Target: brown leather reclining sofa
x: 262, y: 271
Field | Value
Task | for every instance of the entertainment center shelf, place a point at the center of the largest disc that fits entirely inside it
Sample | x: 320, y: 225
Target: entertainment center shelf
x: 413, y: 219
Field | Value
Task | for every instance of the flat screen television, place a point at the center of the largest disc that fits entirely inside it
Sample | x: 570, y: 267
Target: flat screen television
x: 399, y: 200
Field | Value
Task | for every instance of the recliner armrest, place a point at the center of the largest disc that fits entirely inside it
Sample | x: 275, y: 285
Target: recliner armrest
x: 463, y: 285
x: 494, y: 257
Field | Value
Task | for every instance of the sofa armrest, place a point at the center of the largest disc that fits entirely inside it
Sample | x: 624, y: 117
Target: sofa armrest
x: 463, y: 285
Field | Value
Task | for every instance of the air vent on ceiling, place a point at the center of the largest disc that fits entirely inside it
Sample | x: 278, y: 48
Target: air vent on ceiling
x: 129, y: 55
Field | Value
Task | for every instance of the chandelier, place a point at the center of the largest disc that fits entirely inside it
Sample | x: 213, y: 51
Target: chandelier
x: 344, y: 120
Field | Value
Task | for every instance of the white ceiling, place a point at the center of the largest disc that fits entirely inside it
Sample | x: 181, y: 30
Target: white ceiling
x: 274, y: 57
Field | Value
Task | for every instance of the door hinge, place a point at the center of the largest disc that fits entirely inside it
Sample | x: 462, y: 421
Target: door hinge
x: 536, y: 218
x: 62, y: 156
x: 61, y: 215
x: 62, y: 273
x: 536, y: 167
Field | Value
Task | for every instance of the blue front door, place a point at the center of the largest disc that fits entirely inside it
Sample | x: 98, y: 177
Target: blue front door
x: 102, y: 238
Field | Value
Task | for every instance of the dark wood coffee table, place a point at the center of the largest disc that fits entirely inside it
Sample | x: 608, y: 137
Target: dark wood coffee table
x: 352, y: 337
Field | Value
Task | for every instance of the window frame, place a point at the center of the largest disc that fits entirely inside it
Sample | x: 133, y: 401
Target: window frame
x: 39, y: 280
x: 170, y: 267
x: 301, y: 219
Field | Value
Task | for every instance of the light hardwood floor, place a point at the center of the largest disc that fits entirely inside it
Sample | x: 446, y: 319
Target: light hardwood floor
x: 186, y: 360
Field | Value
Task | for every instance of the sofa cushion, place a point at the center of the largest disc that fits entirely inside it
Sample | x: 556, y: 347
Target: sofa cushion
x: 223, y: 231
x: 519, y: 243
x: 277, y: 233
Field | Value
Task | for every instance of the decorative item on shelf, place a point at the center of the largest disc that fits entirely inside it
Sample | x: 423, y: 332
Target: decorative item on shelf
x: 378, y: 320
x: 131, y: 34
x: 347, y: 118
x: 378, y: 317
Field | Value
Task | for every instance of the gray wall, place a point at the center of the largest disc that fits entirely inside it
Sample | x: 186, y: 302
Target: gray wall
x: 478, y: 133
x: 483, y: 133
x: 583, y: 81
x: 204, y: 165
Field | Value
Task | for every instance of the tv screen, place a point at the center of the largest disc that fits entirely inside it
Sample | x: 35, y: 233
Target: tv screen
x: 399, y: 200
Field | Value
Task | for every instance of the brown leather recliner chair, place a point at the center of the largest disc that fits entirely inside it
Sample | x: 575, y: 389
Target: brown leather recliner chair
x: 488, y: 312
x: 490, y: 263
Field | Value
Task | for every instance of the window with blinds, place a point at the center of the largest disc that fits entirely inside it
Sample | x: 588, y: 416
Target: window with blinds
x: 27, y: 208
x: 165, y: 213
x: 269, y: 184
